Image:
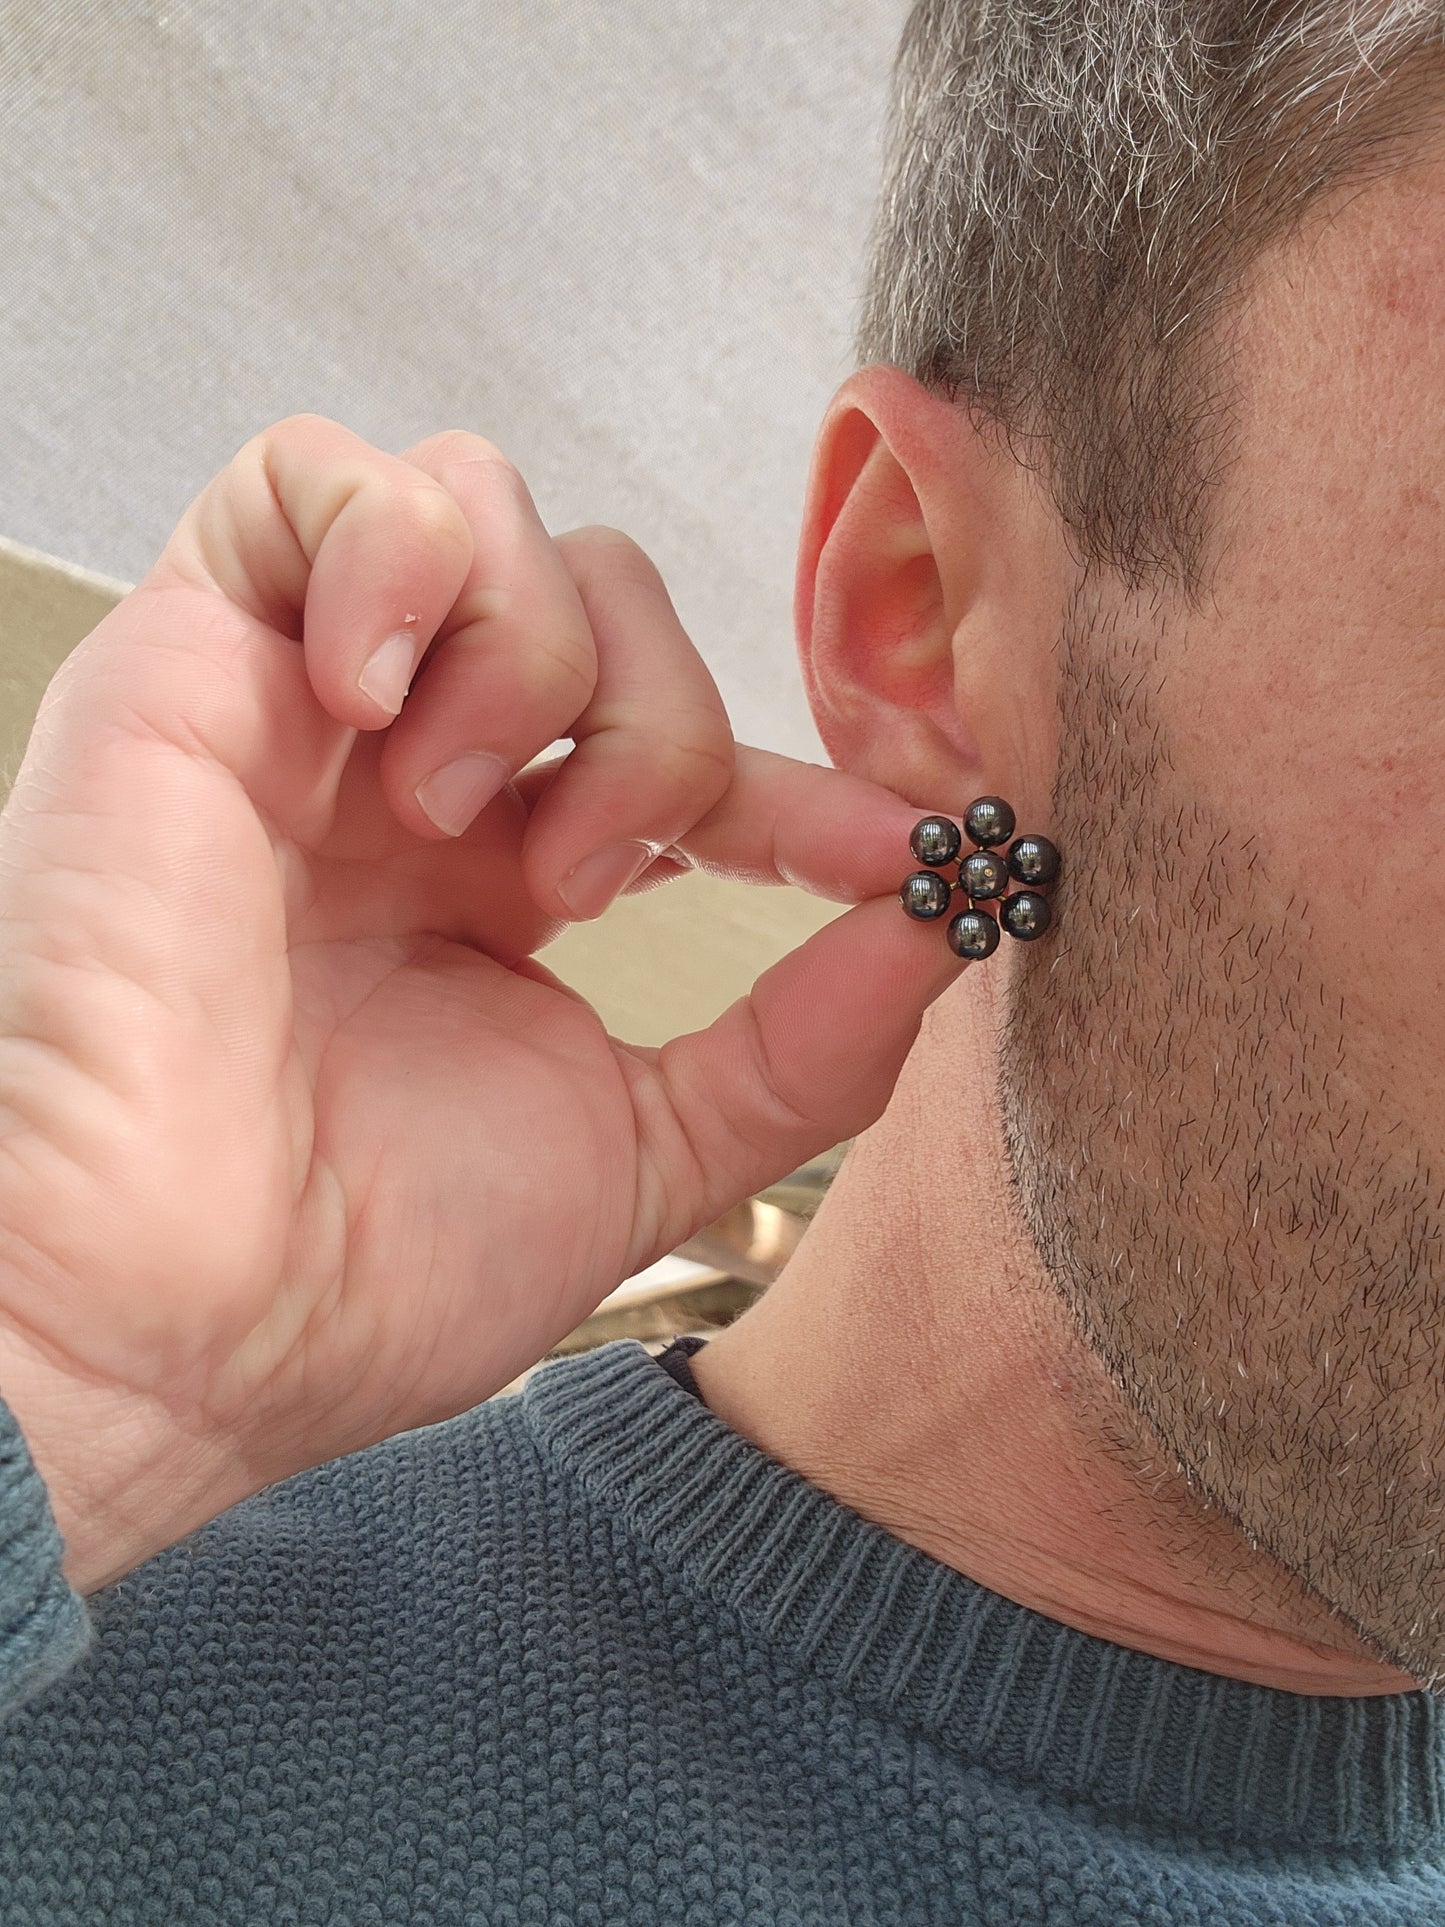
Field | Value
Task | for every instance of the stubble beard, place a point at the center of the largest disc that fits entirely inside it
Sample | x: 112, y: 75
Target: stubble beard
x: 1243, y: 1230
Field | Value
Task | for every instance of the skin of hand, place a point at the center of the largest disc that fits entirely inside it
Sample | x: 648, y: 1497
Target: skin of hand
x: 300, y: 1146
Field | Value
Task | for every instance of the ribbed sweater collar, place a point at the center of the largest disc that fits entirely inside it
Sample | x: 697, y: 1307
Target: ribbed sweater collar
x: 1038, y: 1702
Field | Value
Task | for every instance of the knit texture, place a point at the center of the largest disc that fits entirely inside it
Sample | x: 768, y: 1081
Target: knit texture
x: 585, y: 1655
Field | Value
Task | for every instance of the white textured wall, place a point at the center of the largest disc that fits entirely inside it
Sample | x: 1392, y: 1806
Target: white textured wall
x: 624, y: 241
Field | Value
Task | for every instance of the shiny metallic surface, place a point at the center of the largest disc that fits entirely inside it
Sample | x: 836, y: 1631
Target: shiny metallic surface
x: 1033, y: 860
x: 926, y: 895
x: 982, y: 875
x: 1025, y: 915
x: 935, y: 840
x: 989, y: 820
x: 973, y: 934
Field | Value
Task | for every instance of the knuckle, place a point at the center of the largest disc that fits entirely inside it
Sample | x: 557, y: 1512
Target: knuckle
x: 292, y: 428
x: 430, y: 511
x: 705, y: 764
x: 544, y: 670
x: 307, y: 418
x: 436, y: 510
x: 452, y: 445
x: 596, y: 533
x: 695, y: 756
x: 773, y: 1102
x: 258, y: 454
x: 619, y: 548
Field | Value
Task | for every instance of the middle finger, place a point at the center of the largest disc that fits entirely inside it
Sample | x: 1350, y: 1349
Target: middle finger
x: 546, y: 640
x: 510, y: 666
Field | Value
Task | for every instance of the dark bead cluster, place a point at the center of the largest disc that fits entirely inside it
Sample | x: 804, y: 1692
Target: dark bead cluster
x: 983, y: 877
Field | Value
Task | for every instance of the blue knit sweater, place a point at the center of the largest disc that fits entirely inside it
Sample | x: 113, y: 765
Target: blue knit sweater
x: 585, y: 1656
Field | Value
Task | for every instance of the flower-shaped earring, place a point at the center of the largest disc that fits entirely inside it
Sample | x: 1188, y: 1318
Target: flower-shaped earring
x: 983, y: 877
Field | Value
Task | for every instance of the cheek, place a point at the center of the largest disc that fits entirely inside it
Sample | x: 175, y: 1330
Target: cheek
x: 1311, y: 690
x: 1326, y: 635
x: 1333, y: 759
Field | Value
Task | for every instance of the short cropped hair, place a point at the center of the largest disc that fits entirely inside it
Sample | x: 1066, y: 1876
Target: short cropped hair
x: 1073, y: 190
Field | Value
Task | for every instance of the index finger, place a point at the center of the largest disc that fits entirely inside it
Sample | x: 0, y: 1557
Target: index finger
x: 820, y: 829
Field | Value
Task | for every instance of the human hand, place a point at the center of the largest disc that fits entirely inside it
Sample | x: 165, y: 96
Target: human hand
x: 300, y: 1146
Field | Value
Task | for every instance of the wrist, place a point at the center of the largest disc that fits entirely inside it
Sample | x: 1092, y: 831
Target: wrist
x: 122, y: 1484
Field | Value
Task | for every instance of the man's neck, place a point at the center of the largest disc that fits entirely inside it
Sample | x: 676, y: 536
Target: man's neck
x: 914, y: 1361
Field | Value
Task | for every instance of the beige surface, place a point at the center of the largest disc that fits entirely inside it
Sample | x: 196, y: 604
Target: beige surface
x: 654, y: 966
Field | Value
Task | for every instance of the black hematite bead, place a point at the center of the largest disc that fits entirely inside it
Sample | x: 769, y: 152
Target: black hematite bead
x: 926, y: 895
x: 989, y: 820
x: 982, y: 875
x: 1025, y: 914
x: 935, y: 841
x: 1033, y: 860
x: 973, y: 934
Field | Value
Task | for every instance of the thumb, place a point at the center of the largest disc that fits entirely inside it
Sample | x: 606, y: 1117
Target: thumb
x: 808, y: 1057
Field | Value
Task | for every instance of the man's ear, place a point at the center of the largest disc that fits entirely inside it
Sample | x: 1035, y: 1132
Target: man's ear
x: 931, y: 585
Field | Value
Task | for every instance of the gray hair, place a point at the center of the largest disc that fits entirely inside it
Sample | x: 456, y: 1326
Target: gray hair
x: 1072, y: 191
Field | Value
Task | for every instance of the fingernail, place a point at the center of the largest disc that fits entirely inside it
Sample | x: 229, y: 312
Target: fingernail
x: 453, y: 794
x: 388, y: 672
x: 598, y: 878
